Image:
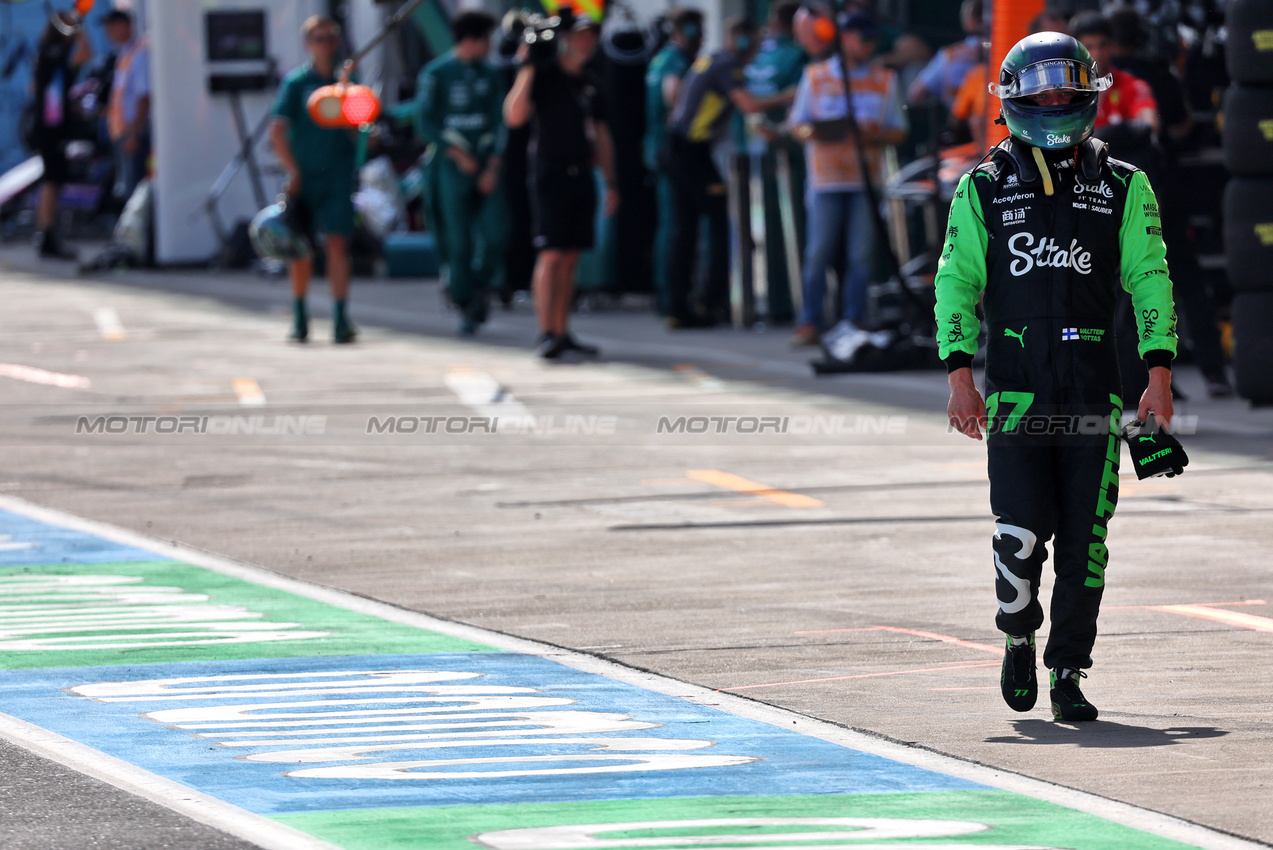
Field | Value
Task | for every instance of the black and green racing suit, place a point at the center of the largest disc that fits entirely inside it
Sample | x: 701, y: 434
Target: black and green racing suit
x: 1048, y: 264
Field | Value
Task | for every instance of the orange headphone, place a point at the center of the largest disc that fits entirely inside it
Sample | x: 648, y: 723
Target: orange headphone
x: 814, y: 28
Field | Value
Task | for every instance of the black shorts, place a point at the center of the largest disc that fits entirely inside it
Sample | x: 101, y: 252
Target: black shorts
x: 53, y: 152
x: 564, y: 205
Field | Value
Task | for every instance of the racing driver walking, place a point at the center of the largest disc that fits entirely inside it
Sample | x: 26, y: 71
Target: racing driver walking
x: 1047, y: 228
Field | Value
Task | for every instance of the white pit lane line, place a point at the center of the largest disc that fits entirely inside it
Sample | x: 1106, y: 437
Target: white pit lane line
x: 271, y: 834
x: 182, y: 799
x: 109, y: 324
x: 486, y: 396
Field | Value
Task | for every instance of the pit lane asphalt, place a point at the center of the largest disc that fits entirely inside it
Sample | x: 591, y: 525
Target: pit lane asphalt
x: 615, y: 545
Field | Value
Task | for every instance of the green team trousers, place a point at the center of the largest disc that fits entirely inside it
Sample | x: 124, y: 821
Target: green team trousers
x: 471, y: 229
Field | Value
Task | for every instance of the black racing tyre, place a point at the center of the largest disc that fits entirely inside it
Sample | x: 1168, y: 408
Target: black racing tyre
x: 1248, y: 130
x: 1249, y: 48
x: 1248, y: 233
x: 1253, y: 346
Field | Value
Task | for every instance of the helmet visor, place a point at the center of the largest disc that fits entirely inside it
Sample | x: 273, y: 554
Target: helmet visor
x: 1052, y: 74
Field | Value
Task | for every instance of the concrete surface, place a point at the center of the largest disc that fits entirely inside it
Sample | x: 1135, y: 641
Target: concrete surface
x: 821, y: 593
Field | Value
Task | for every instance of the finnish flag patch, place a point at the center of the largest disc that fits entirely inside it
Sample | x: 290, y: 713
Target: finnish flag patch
x: 1068, y: 334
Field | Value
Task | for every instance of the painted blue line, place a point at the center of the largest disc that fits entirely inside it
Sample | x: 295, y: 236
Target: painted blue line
x: 787, y: 762
x: 27, y: 542
x: 516, y: 727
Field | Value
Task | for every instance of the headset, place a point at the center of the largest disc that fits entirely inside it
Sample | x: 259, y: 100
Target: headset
x: 815, y: 28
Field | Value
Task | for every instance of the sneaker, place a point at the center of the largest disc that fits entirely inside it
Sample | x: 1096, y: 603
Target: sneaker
x: 805, y: 335
x: 343, y: 331
x: 551, y: 346
x: 1068, y: 702
x: 575, y: 345
x: 49, y: 247
x: 1017, y: 679
x: 844, y: 341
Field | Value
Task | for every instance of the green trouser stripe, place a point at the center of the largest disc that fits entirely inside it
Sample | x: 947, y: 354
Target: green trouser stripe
x: 1097, y: 551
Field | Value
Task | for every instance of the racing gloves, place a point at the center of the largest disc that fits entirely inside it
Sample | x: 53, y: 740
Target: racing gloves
x: 1154, y: 452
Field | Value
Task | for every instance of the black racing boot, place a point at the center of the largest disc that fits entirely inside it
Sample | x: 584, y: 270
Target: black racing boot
x: 1018, y: 680
x: 1068, y: 702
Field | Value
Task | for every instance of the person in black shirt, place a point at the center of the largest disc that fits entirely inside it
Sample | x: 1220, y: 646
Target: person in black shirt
x: 564, y: 107
x: 62, y: 51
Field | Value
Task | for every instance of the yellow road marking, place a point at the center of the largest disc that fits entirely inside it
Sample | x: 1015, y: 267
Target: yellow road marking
x: 1219, y: 615
x: 697, y: 376
x: 729, y: 481
x: 1210, y: 611
x: 248, y: 391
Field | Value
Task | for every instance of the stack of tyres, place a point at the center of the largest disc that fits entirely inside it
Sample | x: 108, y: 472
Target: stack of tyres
x: 1248, y: 198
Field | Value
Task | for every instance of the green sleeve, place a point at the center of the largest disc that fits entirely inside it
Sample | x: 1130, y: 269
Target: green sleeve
x: 428, y: 120
x: 961, y: 273
x: 1143, y: 265
x: 285, y: 104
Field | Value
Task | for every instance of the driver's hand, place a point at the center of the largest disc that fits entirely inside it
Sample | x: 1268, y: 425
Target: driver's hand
x: 966, y: 410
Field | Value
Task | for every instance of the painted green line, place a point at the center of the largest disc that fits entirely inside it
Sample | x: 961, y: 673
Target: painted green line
x: 126, y: 613
x: 1012, y: 820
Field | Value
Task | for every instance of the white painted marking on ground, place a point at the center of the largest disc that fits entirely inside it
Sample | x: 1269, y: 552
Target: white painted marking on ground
x: 182, y: 799
x: 109, y: 325
x: 248, y: 391
x: 487, y: 397
x: 586, y: 836
x: 1128, y: 815
x: 32, y: 375
x: 41, y: 613
x: 436, y: 714
x: 8, y: 544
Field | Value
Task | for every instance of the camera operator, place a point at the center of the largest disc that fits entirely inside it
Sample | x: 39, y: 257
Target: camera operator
x: 554, y: 94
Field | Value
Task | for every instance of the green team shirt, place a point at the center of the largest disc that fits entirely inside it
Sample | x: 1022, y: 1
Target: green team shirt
x: 319, y: 151
x: 777, y: 67
x: 461, y: 104
x: 962, y: 269
x: 671, y: 61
